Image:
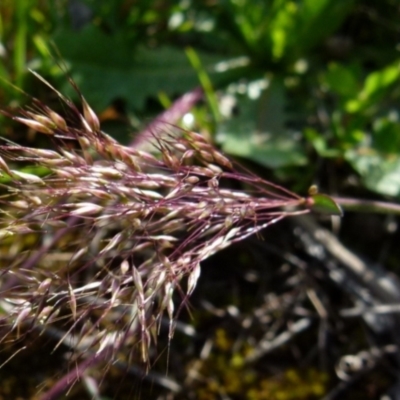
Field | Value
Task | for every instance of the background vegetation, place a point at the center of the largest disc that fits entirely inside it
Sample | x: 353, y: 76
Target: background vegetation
x: 301, y: 92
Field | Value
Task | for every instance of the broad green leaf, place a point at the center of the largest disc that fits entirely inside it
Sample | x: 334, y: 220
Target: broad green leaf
x: 317, y: 19
x: 107, y: 67
x: 258, y: 132
x: 380, y: 173
x: 341, y: 80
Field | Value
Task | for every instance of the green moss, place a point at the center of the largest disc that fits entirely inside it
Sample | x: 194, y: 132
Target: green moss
x: 226, y: 372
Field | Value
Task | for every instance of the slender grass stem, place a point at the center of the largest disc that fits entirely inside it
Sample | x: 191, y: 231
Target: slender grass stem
x: 205, y: 82
x: 367, y: 206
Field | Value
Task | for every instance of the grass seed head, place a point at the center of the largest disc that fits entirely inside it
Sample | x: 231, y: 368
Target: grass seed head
x: 123, y: 227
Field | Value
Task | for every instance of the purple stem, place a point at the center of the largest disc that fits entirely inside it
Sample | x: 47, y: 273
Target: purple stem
x: 170, y: 116
x: 368, y: 206
x: 67, y: 380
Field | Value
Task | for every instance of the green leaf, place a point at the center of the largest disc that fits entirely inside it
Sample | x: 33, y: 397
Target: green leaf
x: 259, y: 133
x: 376, y: 87
x: 108, y: 67
x: 380, y: 79
x: 318, y: 19
x: 282, y: 26
x: 386, y: 135
x: 323, y: 204
x: 341, y: 80
x: 320, y: 144
x: 380, y: 173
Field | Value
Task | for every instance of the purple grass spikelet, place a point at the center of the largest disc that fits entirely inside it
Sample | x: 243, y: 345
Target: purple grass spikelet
x: 121, y: 232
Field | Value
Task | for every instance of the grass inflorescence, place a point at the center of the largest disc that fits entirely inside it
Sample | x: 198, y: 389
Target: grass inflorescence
x: 109, y: 238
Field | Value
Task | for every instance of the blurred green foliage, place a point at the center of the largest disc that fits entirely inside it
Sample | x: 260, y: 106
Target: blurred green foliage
x: 306, y: 84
